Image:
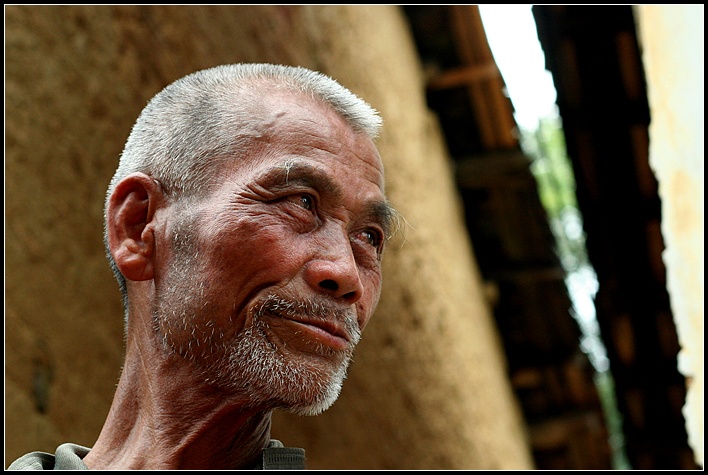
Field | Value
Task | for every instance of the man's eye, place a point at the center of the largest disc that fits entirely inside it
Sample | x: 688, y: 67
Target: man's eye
x: 307, y: 202
x: 371, y: 237
x: 304, y: 201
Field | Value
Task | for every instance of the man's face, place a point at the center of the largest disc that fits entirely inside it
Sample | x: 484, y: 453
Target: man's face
x: 273, y: 275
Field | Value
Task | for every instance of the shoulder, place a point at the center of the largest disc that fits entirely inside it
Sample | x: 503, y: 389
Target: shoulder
x: 278, y: 457
x: 68, y: 457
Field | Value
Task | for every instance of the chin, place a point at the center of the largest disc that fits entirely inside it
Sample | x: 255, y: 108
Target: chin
x: 315, y: 400
x: 253, y: 371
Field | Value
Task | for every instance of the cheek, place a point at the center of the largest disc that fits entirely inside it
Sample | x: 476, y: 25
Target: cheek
x: 251, y: 246
x: 367, y: 304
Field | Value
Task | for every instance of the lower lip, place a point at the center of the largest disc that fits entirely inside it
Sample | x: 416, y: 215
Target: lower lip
x: 323, y: 336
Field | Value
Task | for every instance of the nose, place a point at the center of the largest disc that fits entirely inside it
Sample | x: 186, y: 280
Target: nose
x: 334, y: 271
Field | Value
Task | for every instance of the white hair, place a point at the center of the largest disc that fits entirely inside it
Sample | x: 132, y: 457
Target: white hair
x: 201, y: 121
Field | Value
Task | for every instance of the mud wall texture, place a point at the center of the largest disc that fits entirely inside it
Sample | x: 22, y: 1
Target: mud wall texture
x: 428, y: 387
x: 673, y: 40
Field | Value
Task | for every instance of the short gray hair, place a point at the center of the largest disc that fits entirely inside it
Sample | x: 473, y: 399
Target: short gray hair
x: 201, y: 121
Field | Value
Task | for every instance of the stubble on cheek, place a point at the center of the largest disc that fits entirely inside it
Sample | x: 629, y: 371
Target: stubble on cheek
x: 181, y: 316
x: 250, y: 364
x: 250, y: 361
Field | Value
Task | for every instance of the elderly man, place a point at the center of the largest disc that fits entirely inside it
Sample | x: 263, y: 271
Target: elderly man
x: 245, y: 225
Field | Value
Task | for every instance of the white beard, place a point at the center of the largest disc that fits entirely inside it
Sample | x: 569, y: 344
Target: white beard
x: 250, y: 367
x: 248, y: 364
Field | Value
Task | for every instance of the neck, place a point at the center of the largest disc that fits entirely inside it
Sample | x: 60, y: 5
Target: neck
x: 164, y: 417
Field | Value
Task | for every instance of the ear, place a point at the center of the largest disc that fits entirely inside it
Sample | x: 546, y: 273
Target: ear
x: 130, y: 225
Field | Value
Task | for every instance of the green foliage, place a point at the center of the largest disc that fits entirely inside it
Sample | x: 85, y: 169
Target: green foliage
x: 556, y: 187
x: 551, y: 167
x: 606, y: 390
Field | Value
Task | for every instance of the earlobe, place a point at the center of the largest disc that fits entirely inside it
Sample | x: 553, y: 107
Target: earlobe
x: 130, y: 225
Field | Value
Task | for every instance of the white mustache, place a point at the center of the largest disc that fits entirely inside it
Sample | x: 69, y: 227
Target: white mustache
x: 314, y: 308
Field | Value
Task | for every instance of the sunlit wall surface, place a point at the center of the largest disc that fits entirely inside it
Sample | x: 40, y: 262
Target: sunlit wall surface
x: 672, y: 41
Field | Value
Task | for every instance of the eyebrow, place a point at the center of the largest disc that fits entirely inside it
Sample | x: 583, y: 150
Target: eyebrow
x: 293, y: 172
x: 386, y: 215
x: 300, y: 173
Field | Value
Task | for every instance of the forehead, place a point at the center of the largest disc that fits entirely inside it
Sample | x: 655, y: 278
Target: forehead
x: 294, y: 127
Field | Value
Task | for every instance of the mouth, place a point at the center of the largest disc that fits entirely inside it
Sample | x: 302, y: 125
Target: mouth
x: 315, y: 322
x: 322, y: 326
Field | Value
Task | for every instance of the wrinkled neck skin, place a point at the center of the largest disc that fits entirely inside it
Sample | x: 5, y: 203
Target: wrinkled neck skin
x: 164, y: 417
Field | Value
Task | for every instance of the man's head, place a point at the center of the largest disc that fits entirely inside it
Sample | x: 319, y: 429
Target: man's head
x: 250, y: 199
